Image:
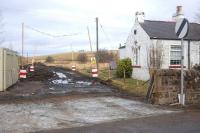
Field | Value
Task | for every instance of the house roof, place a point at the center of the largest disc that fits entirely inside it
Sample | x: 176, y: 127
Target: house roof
x: 121, y: 47
x: 166, y: 30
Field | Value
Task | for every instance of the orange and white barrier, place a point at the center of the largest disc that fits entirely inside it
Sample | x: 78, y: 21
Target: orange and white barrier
x: 32, y: 69
x: 73, y: 68
x: 22, y: 74
x: 94, y: 72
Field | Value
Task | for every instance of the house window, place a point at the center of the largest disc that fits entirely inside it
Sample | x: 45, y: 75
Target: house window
x: 135, y: 32
x: 175, y: 55
x: 137, y: 56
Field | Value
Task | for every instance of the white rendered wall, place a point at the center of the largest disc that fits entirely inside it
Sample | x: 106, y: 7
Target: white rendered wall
x: 194, y: 52
x: 143, y: 41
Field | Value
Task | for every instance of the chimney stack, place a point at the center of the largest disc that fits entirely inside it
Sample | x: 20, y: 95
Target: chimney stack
x: 139, y: 17
x: 179, y: 13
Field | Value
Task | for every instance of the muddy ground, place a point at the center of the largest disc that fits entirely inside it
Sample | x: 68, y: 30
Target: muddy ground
x: 51, y: 82
x: 56, y: 98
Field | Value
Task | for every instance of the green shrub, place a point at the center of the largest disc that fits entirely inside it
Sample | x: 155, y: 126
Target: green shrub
x: 124, y: 64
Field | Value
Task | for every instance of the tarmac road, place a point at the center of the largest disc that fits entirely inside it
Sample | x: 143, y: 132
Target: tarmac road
x: 186, y: 122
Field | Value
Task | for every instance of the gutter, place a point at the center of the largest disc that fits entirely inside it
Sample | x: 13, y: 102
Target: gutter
x: 3, y: 70
x: 174, y: 39
x: 122, y: 47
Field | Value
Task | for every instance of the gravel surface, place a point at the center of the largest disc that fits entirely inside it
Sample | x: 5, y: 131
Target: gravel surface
x: 30, y: 117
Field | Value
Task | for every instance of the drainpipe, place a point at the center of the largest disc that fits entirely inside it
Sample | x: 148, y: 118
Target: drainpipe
x: 188, y: 54
x: 3, y: 70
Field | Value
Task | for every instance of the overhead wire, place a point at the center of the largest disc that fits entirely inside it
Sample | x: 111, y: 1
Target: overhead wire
x: 105, y: 33
x: 49, y: 34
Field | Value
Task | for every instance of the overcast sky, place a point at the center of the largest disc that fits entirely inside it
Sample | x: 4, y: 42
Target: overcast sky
x: 60, y: 17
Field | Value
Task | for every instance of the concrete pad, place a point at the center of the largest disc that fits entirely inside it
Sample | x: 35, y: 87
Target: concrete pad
x: 72, y: 113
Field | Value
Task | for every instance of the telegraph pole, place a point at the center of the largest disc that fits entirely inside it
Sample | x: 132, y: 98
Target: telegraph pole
x: 72, y: 53
x: 27, y: 57
x: 97, y: 42
x: 89, y: 38
x: 22, y: 44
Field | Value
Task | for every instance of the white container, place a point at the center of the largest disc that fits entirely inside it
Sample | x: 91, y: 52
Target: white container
x: 9, y: 68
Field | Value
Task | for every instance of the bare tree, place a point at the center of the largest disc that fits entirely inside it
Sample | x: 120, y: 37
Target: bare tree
x: 82, y: 57
x: 155, y: 55
x: 154, y: 60
x: 49, y: 59
x: 105, y: 56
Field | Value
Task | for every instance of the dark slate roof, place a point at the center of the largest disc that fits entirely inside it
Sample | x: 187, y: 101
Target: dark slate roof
x: 166, y: 30
x: 121, y: 47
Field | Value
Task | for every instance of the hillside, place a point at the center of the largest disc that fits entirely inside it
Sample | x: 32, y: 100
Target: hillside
x: 68, y: 56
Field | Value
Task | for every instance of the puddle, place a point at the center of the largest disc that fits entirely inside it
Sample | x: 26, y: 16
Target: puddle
x: 84, y: 83
x: 60, y: 81
x: 72, y: 113
x: 69, y: 81
x: 71, y: 73
x: 60, y: 75
x: 64, y: 80
x: 51, y: 88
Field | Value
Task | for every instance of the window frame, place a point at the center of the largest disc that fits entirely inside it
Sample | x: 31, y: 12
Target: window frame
x: 173, y: 48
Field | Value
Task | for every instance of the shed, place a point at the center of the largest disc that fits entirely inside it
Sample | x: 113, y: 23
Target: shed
x: 9, y: 68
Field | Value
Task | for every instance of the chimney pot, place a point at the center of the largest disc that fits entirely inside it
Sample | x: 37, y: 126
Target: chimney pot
x: 179, y: 10
x: 179, y: 13
x: 139, y: 17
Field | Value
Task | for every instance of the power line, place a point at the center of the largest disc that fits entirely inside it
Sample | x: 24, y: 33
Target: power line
x: 105, y: 34
x: 49, y: 34
x: 89, y: 38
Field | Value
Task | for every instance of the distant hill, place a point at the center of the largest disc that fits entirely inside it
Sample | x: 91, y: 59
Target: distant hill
x: 68, y: 56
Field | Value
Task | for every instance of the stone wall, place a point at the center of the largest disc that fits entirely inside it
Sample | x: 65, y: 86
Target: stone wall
x: 167, y: 86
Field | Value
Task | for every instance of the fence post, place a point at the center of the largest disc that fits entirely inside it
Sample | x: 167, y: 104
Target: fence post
x: 109, y: 74
x: 124, y: 75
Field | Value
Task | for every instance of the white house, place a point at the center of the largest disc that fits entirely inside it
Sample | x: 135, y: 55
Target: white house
x: 146, y: 34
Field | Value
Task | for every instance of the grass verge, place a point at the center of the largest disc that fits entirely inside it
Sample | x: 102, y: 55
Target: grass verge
x: 134, y: 86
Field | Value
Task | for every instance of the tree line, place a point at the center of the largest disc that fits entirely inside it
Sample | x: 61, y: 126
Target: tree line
x: 103, y: 55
